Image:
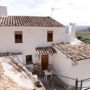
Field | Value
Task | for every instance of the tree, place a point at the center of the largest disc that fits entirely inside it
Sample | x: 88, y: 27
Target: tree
x: 79, y: 37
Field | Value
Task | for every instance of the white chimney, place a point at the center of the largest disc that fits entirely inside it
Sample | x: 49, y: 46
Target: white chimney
x: 3, y: 11
x: 72, y: 32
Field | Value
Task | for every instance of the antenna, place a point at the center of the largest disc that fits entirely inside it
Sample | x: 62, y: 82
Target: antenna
x: 53, y: 9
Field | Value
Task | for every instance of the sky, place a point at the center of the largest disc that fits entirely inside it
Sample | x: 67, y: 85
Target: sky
x: 64, y: 11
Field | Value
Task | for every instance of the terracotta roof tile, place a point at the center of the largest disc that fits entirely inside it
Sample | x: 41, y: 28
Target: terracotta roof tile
x: 13, y: 73
x: 45, y: 50
x: 75, y: 52
x: 29, y: 21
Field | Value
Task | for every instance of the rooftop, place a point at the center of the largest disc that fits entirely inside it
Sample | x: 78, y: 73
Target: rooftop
x: 29, y: 21
x: 45, y: 50
x: 76, y: 52
x: 14, y: 77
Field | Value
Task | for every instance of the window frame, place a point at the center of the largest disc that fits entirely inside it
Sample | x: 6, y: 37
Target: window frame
x: 18, y: 37
x: 27, y: 58
x: 49, y: 38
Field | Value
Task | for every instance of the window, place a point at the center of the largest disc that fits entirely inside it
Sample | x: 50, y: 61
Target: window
x: 18, y: 37
x: 50, y: 36
x: 29, y: 59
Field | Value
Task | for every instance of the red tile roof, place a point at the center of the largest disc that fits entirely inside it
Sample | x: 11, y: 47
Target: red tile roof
x: 45, y: 50
x: 29, y: 21
x: 13, y: 73
x: 75, y: 52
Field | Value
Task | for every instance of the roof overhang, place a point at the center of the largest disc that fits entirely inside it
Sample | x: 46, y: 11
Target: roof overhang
x: 45, y: 50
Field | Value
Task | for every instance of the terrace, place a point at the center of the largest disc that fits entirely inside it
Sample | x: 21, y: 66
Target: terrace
x: 52, y: 82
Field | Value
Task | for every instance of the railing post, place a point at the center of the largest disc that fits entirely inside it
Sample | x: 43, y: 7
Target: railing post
x: 76, y: 84
x: 52, y: 82
x: 81, y: 85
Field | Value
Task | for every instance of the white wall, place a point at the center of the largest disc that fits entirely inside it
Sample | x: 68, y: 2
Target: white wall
x: 71, y: 33
x: 65, y: 66
x: 32, y: 37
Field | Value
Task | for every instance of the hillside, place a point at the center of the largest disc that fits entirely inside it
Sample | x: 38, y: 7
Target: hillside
x: 84, y: 35
x: 78, y: 28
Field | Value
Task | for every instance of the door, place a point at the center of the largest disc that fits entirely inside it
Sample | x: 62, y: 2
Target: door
x: 44, y: 62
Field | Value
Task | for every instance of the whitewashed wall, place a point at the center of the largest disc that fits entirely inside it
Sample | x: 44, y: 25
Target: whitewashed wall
x: 71, y: 33
x: 66, y: 67
x: 32, y: 37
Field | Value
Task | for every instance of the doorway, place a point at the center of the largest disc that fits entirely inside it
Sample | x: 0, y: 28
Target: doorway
x: 44, y: 62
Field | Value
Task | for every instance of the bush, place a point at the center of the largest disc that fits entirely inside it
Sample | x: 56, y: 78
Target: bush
x: 79, y: 37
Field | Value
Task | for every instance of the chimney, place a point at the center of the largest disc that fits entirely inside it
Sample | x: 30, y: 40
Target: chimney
x: 3, y: 11
x: 72, y: 32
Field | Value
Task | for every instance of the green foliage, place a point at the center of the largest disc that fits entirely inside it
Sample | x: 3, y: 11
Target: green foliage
x: 79, y: 37
x: 84, y: 35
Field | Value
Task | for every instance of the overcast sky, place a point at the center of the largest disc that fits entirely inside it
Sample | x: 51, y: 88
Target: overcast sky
x: 66, y: 11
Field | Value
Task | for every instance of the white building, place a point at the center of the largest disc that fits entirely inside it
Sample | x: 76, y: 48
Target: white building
x: 26, y: 34
x: 73, y: 61
x: 38, y: 39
